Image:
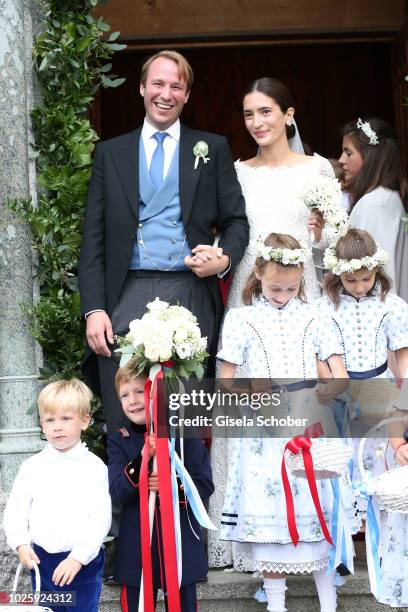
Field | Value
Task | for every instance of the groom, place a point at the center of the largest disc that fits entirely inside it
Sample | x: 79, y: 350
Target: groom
x: 155, y: 199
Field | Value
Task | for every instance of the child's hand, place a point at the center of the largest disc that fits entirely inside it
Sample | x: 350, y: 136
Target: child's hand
x: 153, y: 482
x: 66, y: 571
x: 26, y: 556
x: 151, y: 445
x: 401, y: 454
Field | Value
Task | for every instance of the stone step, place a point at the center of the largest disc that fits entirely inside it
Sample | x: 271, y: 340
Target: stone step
x: 228, y: 591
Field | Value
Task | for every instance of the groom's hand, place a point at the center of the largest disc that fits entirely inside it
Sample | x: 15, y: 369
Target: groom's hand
x: 207, y: 260
x: 98, y: 331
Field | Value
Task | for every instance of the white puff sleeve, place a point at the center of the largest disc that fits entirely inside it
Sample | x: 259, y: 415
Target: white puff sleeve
x: 233, y: 337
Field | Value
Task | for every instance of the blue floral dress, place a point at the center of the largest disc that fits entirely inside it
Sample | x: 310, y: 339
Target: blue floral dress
x: 367, y: 329
x: 276, y: 344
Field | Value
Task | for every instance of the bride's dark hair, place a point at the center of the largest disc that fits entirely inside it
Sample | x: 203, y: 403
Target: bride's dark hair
x: 278, y: 92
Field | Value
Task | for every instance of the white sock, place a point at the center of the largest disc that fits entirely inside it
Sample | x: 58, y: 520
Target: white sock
x: 326, y: 591
x: 275, y: 589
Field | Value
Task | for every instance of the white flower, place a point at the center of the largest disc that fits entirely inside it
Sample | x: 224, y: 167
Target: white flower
x: 325, y: 195
x: 184, y: 350
x: 342, y: 266
x: 200, y: 150
x: 157, y: 305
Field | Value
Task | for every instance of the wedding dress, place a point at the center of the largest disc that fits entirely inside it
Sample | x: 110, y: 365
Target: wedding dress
x: 273, y: 198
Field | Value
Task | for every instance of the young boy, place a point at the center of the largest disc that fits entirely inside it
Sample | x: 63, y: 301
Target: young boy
x: 59, y: 509
x: 124, y: 461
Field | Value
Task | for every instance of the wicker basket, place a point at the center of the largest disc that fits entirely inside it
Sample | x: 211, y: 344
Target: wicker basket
x: 330, y: 459
x: 391, y: 487
x: 27, y: 608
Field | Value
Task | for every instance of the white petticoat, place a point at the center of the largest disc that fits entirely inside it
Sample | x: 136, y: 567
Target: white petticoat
x: 287, y: 558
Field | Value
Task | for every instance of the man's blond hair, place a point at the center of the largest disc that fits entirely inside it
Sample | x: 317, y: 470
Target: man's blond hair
x: 127, y: 373
x: 184, y: 68
x: 65, y: 395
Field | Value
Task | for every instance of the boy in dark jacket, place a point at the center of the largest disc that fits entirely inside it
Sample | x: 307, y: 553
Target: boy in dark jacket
x: 124, y: 461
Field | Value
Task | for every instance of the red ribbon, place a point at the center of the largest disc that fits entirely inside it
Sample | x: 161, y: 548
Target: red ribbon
x: 297, y: 444
x: 166, y: 513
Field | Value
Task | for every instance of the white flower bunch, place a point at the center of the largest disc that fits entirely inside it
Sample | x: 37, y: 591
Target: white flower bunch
x: 348, y: 266
x: 365, y: 127
x: 165, y: 333
x: 325, y: 195
x: 286, y: 257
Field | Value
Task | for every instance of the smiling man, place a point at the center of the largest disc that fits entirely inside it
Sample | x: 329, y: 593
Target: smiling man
x: 155, y: 197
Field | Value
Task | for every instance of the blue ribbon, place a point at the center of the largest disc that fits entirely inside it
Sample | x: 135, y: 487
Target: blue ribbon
x: 342, y: 552
x: 372, y: 539
x: 192, y: 495
x: 176, y: 510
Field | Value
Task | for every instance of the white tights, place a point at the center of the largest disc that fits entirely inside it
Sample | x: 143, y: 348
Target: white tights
x: 275, y: 590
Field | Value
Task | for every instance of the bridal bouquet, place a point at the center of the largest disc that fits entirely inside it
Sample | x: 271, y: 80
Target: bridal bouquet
x: 165, y: 334
x: 324, y: 194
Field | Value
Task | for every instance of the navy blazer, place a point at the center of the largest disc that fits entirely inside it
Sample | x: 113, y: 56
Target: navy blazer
x: 128, y: 556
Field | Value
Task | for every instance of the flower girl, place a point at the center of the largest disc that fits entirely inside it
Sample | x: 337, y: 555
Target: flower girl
x: 370, y: 322
x: 278, y: 335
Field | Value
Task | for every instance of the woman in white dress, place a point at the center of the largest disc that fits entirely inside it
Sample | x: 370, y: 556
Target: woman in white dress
x: 378, y: 191
x: 272, y: 183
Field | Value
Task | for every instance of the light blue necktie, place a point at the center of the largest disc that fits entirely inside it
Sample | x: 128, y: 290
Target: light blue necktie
x: 157, y: 163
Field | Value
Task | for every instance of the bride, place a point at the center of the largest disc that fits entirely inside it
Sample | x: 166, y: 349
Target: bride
x: 272, y: 183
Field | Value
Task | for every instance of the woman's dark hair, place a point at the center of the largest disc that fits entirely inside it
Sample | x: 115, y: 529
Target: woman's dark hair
x: 279, y: 93
x: 253, y: 287
x: 355, y: 244
x: 382, y: 162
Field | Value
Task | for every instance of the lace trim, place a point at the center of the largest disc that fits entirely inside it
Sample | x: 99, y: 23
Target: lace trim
x: 298, y: 567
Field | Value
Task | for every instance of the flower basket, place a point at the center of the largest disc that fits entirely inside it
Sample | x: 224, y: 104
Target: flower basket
x: 390, y: 488
x: 35, y: 596
x: 330, y: 458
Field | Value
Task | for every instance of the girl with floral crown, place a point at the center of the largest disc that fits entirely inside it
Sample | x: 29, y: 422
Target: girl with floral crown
x: 378, y: 191
x: 370, y: 322
x: 278, y: 335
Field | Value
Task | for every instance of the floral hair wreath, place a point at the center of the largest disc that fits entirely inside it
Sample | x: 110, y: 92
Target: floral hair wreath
x: 340, y: 266
x: 365, y: 127
x: 286, y: 257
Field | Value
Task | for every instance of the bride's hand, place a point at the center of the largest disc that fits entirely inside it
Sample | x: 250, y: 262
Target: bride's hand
x: 315, y: 224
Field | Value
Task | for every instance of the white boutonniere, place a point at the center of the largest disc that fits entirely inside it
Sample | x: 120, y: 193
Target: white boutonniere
x: 200, y: 150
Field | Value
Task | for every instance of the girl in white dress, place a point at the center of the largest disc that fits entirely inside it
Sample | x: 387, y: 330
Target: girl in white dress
x: 394, y: 566
x: 272, y: 183
x: 278, y: 335
x: 378, y: 191
x: 370, y: 321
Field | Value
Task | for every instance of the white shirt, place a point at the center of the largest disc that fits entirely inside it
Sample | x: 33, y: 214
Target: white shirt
x: 379, y: 212
x: 169, y: 143
x: 60, y: 501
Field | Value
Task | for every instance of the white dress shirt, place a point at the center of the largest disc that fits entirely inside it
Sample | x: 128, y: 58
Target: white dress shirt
x: 60, y: 501
x: 169, y: 143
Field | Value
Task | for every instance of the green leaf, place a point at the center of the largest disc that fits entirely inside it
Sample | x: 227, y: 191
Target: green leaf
x: 104, y: 27
x: 105, y: 68
x: 43, y: 64
x: 117, y: 82
x: 83, y: 43
x: 114, y: 36
x: 116, y: 46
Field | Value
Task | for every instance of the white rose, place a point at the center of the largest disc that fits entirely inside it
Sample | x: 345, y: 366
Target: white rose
x: 152, y: 352
x: 180, y: 335
x: 184, y: 350
x: 157, y: 305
